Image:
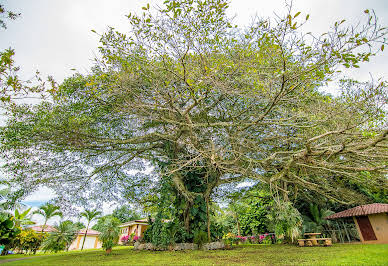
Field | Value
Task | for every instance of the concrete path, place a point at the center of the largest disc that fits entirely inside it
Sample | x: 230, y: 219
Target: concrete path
x: 16, y: 259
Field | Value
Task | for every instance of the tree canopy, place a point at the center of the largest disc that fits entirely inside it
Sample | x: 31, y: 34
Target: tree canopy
x: 187, y: 93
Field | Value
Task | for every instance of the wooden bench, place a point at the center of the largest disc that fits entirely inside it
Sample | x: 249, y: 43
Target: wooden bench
x: 309, y: 242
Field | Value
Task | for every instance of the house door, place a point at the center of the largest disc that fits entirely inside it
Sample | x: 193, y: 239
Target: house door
x: 366, y: 228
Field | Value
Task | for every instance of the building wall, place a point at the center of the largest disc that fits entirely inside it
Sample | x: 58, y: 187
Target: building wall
x: 137, y: 229
x: 379, y: 224
x: 90, y: 242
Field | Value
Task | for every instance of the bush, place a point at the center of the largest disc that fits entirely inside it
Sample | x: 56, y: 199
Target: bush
x: 29, y: 241
x: 159, y: 233
x: 200, y: 238
x: 285, y: 221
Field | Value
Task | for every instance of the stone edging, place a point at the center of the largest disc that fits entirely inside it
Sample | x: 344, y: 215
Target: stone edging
x: 180, y: 246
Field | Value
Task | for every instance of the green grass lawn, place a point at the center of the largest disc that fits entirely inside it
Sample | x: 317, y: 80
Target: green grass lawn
x: 340, y: 254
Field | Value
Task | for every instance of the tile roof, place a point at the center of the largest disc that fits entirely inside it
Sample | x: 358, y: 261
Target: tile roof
x: 90, y: 232
x: 361, y: 210
x: 47, y: 228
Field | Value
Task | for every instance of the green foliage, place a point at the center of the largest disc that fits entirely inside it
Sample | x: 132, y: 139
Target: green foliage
x: 246, y: 214
x: 23, y: 218
x: 60, y: 239
x: 158, y: 232
x: 110, y: 233
x: 285, y: 221
x: 79, y: 225
x: 8, y: 229
x: 48, y: 211
x: 90, y: 215
x: 102, y: 220
x: 6, y: 14
x: 344, y: 254
x: 200, y: 238
x: 315, y: 222
x: 209, y: 107
x: 126, y: 213
x: 29, y: 241
x: 252, y: 212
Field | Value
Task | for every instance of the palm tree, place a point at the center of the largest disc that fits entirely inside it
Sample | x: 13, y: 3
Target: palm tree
x: 317, y: 222
x: 110, y: 233
x: 62, y: 238
x: 48, y: 211
x: 90, y: 216
x: 22, y: 218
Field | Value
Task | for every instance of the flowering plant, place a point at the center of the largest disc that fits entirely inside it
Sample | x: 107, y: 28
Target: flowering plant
x: 229, y: 238
x: 266, y: 239
x: 242, y: 239
x: 136, y: 238
x: 125, y: 239
x: 252, y: 239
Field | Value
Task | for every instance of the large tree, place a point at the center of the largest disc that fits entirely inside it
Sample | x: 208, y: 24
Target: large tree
x: 191, y: 95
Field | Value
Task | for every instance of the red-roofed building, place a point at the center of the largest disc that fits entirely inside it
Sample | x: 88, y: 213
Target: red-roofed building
x: 91, y: 240
x: 47, y: 228
x: 371, y: 222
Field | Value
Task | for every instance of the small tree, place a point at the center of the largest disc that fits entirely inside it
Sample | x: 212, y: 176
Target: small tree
x: 48, y: 211
x: 316, y: 221
x: 110, y: 234
x: 90, y: 216
x: 60, y: 239
x: 285, y: 220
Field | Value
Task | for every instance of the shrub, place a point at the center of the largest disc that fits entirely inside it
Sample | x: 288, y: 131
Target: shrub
x: 159, y: 233
x: 200, y: 238
x: 110, y: 233
x: 229, y: 238
x: 285, y: 221
x: 125, y: 240
x: 29, y: 241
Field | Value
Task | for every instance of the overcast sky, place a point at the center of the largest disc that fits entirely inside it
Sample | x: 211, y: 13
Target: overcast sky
x: 54, y: 36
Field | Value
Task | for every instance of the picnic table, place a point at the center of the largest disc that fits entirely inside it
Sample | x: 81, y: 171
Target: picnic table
x: 312, y: 240
x: 313, y: 237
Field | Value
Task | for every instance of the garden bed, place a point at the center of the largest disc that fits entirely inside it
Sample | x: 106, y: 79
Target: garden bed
x: 179, y: 246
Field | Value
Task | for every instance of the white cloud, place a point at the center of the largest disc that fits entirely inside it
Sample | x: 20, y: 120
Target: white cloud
x: 43, y: 194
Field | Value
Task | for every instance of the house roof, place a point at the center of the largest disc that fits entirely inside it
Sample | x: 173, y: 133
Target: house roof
x: 47, y: 228
x: 140, y: 221
x: 90, y: 232
x: 360, y: 211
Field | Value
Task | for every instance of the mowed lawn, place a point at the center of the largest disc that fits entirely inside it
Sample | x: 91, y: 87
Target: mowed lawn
x: 340, y: 254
